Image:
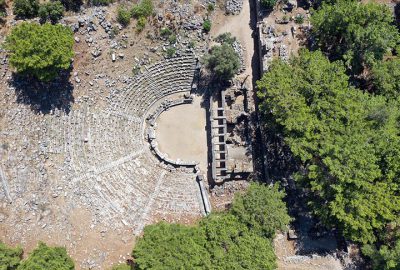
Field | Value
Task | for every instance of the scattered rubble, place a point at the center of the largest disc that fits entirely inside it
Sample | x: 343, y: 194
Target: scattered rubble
x: 233, y: 6
x: 239, y: 50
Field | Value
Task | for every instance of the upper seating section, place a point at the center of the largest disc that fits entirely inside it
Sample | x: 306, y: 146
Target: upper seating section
x: 168, y: 77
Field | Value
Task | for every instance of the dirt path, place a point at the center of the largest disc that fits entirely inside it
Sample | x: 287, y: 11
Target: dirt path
x: 240, y: 27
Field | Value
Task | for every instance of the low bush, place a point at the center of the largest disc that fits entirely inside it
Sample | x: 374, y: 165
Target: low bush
x: 136, y: 70
x: 192, y: 44
x: 172, y: 39
x: 268, y: 4
x: 165, y: 32
x: 121, y: 267
x: 114, y: 31
x: 141, y: 23
x: 123, y: 16
x: 52, y: 11
x: 3, y: 12
x: 225, y: 38
x: 9, y: 257
x: 101, y: 2
x: 45, y: 257
x: 299, y: 19
x: 2, y: 8
x: 207, y: 25
x: 143, y: 9
x: 171, y: 52
x: 26, y: 8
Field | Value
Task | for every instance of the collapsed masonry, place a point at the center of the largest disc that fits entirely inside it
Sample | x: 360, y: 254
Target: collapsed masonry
x: 231, y: 151
x: 96, y: 159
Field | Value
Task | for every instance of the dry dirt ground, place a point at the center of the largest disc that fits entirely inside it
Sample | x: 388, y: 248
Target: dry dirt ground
x: 78, y: 170
x: 64, y: 160
x: 240, y: 27
x: 181, y: 133
x: 289, y: 260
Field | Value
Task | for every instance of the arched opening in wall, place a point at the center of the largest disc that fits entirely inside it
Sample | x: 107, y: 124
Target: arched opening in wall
x: 181, y: 133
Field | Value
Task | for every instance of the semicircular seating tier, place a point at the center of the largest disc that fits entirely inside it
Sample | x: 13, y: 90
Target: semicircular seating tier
x: 95, y: 157
x: 165, y: 78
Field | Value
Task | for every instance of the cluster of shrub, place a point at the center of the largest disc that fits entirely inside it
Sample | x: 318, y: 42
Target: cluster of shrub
x: 43, y: 257
x: 223, y: 61
x: 52, y: 10
x: 28, y: 47
x: 170, y: 36
x: 25, y: 39
x: 240, y: 238
x: 207, y: 22
x: 140, y: 11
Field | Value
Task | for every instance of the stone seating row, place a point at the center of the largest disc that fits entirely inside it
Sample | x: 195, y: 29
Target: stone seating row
x: 121, y: 192
x: 91, y: 139
x: 160, y: 80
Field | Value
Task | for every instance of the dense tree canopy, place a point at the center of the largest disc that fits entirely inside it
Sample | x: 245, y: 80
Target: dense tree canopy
x: 232, y: 245
x: 346, y: 140
x: 9, y: 257
x: 221, y: 241
x: 223, y: 62
x: 360, y: 34
x: 386, y: 78
x: 385, y: 255
x: 262, y: 209
x: 318, y: 3
x: 26, y: 8
x: 40, y: 50
x: 171, y: 246
x: 49, y: 258
x: 52, y: 11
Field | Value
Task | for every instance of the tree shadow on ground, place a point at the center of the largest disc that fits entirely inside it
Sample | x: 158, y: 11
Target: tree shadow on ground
x: 263, y: 12
x: 44, y: 97
x: 281, y: 165
x: 73, y: 5
x: 313, y: 237
x: 206, y: 87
